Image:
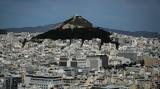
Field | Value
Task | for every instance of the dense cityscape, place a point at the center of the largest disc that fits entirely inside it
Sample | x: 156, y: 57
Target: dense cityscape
x: 69, y: 64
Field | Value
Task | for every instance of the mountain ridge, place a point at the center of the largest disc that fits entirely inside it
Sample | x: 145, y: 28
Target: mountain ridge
x: 146, y: 34
x: 33, y: 29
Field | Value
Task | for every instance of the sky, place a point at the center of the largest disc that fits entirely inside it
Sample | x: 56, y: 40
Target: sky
x: 130, y: 15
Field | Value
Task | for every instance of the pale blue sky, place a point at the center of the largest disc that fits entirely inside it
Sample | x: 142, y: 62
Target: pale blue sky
x: 132, y: 15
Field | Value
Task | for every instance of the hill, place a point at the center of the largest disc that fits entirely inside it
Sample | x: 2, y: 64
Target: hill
x: 81, y: 29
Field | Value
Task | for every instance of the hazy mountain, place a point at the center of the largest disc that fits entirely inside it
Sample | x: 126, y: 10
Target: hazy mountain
x: 33, y: 29
x: 135, y: 33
